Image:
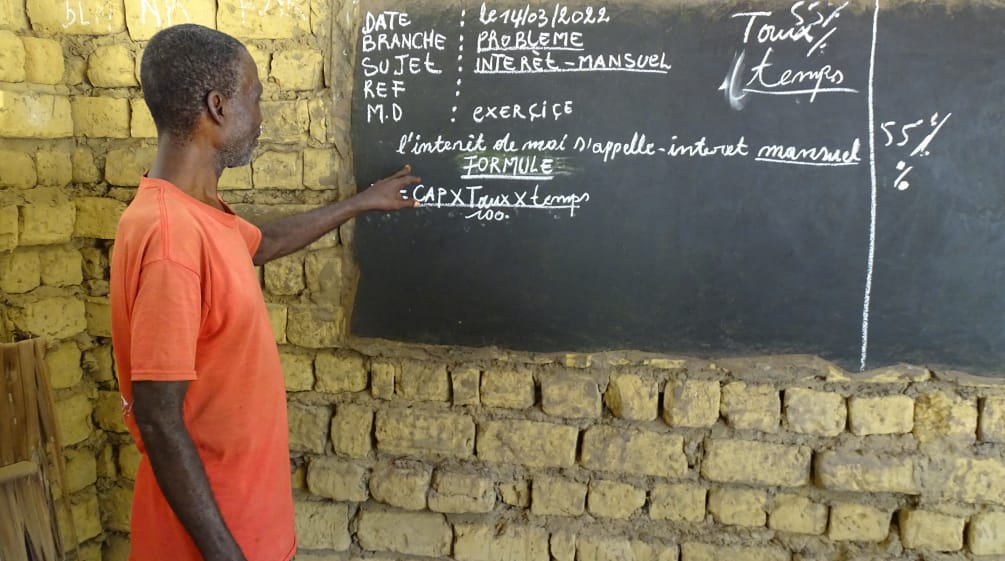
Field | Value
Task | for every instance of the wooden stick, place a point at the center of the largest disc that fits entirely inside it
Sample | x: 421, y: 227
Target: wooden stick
x: 17, y: 471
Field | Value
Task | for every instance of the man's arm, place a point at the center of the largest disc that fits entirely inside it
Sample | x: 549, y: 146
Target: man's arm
x: 178, y: 468
x: 285, y: 236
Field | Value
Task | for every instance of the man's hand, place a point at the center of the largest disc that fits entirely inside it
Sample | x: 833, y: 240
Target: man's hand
x: 390, y: 193
x: 292, y: 233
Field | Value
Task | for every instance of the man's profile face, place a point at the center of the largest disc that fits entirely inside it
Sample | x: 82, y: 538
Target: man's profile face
x: 244, y: 122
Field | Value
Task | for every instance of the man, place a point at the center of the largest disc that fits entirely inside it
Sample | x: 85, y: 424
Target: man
x: 197, y: 361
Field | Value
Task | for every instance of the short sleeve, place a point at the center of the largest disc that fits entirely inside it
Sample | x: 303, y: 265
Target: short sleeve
x: 251, y: 234
x: 165, y: 322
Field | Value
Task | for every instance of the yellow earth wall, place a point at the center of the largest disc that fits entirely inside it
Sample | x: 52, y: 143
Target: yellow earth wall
x: 404, y: 451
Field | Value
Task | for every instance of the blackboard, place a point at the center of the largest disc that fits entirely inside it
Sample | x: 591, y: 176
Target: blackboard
x: 719, y: 179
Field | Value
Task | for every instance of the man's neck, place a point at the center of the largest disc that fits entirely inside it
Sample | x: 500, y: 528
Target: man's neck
x: 188, y: 166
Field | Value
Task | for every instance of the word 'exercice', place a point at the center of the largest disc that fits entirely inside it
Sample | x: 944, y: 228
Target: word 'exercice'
x: 532, y: 112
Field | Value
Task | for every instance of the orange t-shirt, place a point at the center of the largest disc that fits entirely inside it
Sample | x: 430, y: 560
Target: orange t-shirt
x: 187, y: 305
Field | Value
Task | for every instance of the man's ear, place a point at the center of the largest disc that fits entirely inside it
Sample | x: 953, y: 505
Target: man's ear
x: 215, y: 102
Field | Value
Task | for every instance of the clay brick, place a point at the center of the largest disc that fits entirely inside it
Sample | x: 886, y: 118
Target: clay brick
x: 277, y: 318
x: 610, y: 499
x: 298, y: 371
x: 691, y: 551
x: 141, y: 122
x: 43, y: 60
x: 423, y: 381
x: 464, y: 384
x: 986, y: 533
x: 55, y: 318
x: 12, y: 15
x: 85, y: 511
x: 411, y: 533
x: 512, y: 389
x: 321, y: 169
x: 866, y: 473
x: 340, y: 373
x: 277, y: 170
x: 262, y: 58
x: 84, y: 168
x: 751, y: 407
x: 308, y: 427
x: 855, y: 522
x: 116, y: 507
x: 382, y: 375
x: 81, y: 470
x: 298, y: 69
x: 46, y: 218
x: 63, y: 364
x: 129, y: 461
x: 284, y: 122
x: 318, y: 111
x: 73, y: 415
x: 403, y: 486
x: 256, y: 20
x: 85, y: 17
x: 815, y: 412
x: 570, y: 396
x: 285, y: 276
x: 315, y: 327
x: 992, y: 420
x: 97, y: 362
x: 691, y: 403
x: 924, y: 529
x: 763, y: 463
x: 144, y: 18
x: 515, y: 493
x: 61, y: 266
x: 323, y: 269
x: 461, y: 493
x: 322, y: 525
x: 20, y: 272
x: 111, y: 66
x: 235, y: 179
x: 941, y: 416
x: 880, y: 415
x: 108, y: 412
x: 974, y: 480
x: 631, y: 451
x: 352, y: 430
x: 8, y: 227
x: 557, y: 496
x: 337, y: 479
x: 124, y: 167
x: 18, y: 170
x: 681, y: 502
x: 529, y: 443
x: 631, y: 397
x: 98, y: 313
x: 35, y: 115
x: 593, y: 548
x: 477, y: 542
x: 410, y: 432
x: 738, y: 507
x: 97, y: 217
x: 563, y: 546
x: 54, y: 168
x: 798, y: 515
x: 100, y: 117
x: 12, y: 57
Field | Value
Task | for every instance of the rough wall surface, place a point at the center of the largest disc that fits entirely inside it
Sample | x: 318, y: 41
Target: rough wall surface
x: 402, y: 452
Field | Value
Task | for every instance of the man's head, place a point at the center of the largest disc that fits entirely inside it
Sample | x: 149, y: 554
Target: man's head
x: 201, y: 83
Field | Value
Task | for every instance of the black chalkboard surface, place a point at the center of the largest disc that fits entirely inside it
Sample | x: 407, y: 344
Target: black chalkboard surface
x: 820, y: 178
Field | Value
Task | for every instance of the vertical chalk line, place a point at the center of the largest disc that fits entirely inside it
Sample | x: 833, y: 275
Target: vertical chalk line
x: 872, y: 173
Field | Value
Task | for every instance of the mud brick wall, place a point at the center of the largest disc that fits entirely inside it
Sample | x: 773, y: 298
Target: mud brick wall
x: 414, y: 452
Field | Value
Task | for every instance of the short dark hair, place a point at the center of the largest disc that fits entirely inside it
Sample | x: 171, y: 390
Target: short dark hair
x: 181, y: 64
